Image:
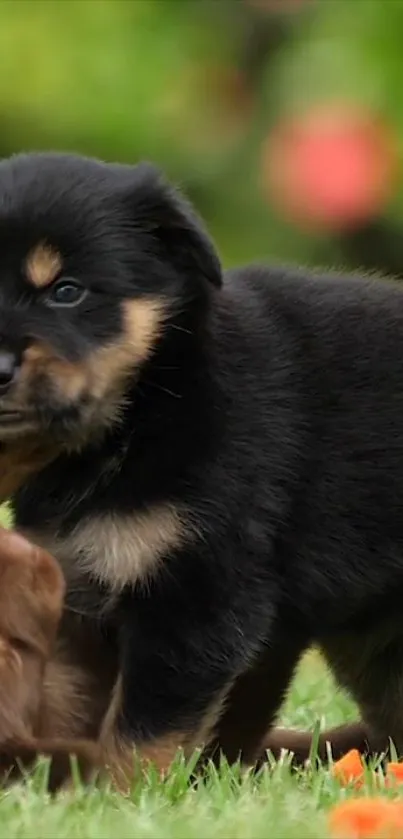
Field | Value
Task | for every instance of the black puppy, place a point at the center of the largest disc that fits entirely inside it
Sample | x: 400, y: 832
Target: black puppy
x: 229, y: 482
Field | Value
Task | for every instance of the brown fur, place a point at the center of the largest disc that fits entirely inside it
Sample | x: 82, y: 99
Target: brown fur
x: 31, y: 596
x: 43, y: 265
x: 53, y: 695
x: 116, y: 754
x: 161, y: 753
x: 333, y: 743
x: 76, y: 693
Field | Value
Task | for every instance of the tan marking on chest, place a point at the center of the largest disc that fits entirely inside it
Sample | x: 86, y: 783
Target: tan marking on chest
x: 120, y: 550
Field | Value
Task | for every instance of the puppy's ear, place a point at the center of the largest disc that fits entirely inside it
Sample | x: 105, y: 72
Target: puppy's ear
x: 177, y: 235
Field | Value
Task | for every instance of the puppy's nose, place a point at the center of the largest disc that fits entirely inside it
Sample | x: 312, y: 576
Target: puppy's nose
x: 8, y: 369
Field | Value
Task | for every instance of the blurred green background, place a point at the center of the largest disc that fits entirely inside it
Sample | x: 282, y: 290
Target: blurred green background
x: 282, y: 119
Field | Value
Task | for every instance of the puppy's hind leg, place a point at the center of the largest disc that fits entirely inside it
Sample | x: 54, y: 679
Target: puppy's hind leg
x: 254, y: 701
x: 371, y: 669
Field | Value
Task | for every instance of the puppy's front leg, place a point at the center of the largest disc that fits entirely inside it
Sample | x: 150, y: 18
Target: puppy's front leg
x: 162, y: 702
x: 182, y: 646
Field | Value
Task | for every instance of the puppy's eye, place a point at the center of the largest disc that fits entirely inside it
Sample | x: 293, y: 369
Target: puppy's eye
x: 65, y: 292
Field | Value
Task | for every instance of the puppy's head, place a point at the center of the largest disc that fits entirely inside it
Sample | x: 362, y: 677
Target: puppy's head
x: 96, y: 261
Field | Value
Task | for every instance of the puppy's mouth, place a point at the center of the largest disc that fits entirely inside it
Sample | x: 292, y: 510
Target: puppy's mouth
x: 8, y: 416
x: 16, y: 423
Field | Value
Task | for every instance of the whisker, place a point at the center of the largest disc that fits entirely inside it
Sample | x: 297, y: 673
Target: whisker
x: 164, y: 389
x: 180, y: 328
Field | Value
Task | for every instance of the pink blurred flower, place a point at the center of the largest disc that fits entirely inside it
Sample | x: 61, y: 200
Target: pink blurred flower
x: 331, y: 167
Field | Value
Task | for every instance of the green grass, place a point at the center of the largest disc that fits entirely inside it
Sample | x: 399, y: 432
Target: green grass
x: 5, y: 518
x: 229, y: 805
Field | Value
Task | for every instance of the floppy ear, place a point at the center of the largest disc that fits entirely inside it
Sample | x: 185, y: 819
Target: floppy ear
x: 157, y: 209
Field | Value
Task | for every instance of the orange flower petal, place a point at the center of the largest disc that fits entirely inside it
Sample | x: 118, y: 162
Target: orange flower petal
x: 367, y: 818
x: 395, y: 771
x: 349, y: 768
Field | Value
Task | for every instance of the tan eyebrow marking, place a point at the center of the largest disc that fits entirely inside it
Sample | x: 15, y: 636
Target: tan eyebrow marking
x: 43, y: 264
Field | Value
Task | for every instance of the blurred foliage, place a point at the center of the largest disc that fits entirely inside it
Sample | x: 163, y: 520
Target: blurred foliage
x: 197, y: 86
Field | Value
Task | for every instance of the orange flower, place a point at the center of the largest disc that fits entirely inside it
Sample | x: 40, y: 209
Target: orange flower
x: 349, y: 769
x: 367, y: 818
x: 394, y: 772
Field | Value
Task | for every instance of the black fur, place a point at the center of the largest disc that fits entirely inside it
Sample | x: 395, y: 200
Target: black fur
x: 272, y: 407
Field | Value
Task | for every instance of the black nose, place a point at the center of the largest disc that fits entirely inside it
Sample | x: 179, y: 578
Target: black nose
x: 8, y: 370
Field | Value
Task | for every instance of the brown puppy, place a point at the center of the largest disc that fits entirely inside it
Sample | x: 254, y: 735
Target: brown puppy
x: 31, y: 599
x: 31, y: 704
